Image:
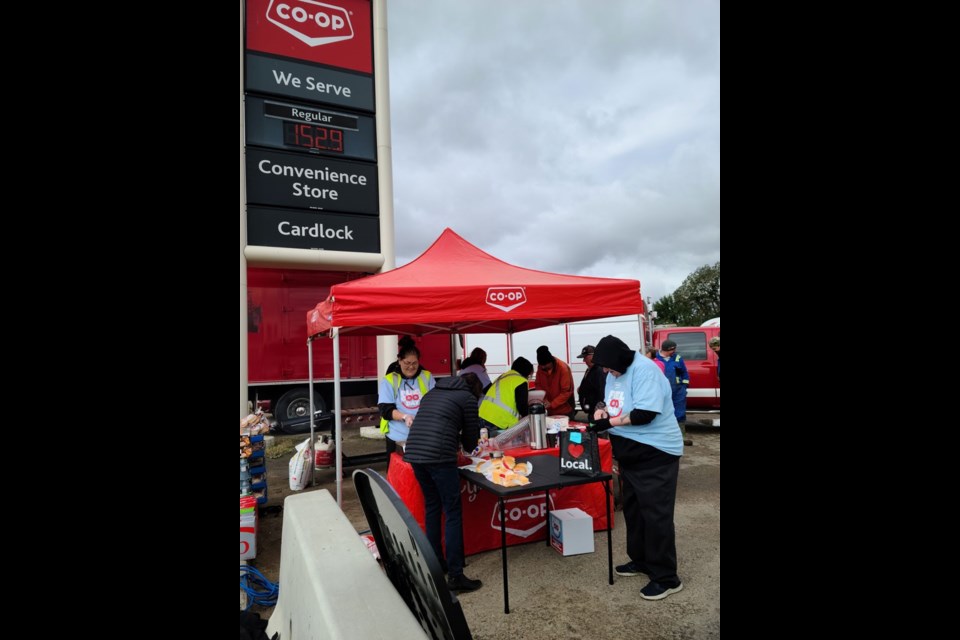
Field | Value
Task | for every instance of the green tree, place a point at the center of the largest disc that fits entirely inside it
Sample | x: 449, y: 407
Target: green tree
x: 696, y: 300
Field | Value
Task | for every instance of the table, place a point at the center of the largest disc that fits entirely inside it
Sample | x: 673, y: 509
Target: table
x: 544, y: 478
x: 524, y: 513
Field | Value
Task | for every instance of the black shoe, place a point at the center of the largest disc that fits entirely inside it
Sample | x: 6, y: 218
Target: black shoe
x: 657, y: 591
x: 463, y: 583
x: 688, y: 443
x: 630, y: 569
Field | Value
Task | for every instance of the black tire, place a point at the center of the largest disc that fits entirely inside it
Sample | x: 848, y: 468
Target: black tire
x: 295, y: 404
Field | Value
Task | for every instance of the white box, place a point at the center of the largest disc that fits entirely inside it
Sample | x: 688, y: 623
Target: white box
x: 571, y: 531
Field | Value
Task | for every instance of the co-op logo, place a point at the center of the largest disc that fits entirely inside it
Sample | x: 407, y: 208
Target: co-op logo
x: 506, y: 298
x: 313, y: 23
x: 525, y: 515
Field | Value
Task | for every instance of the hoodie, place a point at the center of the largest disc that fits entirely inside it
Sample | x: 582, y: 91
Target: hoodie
x: 446, y: 419
x: 613, y: 353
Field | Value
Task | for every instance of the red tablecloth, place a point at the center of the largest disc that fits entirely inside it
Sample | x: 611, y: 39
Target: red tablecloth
x: 526, y: 519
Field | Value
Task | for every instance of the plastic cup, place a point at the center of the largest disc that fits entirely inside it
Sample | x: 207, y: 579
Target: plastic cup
x: 552, y: 436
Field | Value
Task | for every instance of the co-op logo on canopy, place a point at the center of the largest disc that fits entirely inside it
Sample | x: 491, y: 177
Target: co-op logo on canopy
x: 506, y: 298
x: 313, y: 23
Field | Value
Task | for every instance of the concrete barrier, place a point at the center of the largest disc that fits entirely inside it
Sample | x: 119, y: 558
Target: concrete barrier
x: 330, y: 584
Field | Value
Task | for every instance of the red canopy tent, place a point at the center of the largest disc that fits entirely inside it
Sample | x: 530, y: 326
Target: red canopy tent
x: 454, y: 287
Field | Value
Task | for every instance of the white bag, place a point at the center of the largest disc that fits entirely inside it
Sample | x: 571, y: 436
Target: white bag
x: 301, y: 467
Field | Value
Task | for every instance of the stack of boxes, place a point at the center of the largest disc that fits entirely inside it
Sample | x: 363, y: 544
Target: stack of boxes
x: 253, y: 490
x: 252, y: 450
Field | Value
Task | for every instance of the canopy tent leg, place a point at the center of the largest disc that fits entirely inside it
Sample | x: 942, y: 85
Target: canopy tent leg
x: 313, y: 459
x: 336, y: 413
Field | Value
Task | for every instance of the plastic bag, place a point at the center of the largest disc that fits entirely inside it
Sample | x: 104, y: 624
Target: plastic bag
x: 516, y: 436
x: 300, y: 467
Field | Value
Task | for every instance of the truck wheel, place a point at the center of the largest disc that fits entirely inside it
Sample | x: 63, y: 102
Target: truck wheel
x: 296, y: 404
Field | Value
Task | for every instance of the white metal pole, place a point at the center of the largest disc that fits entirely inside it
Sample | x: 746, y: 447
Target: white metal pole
x: 244, y: 370
x: 336, y: 413
x: 313, y: 455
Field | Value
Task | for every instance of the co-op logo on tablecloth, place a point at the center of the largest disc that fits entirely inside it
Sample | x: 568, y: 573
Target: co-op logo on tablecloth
x: 506, y: 298
x: 525, y: 515
x: 313, y: 23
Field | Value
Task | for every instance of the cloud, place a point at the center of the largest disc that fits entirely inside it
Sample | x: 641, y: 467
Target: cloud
x: 577, y: 137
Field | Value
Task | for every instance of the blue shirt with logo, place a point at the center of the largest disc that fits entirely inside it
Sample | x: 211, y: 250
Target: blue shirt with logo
x: 643, y: 386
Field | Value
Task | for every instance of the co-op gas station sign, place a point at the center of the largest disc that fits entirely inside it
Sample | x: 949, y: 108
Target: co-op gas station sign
x: 305, y: 34
x: 321, y: 190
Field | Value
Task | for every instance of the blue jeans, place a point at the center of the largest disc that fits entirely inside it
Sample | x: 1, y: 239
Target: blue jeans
x: 441, y: 492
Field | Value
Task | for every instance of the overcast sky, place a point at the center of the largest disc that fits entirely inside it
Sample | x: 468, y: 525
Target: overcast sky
x: 575, y: 137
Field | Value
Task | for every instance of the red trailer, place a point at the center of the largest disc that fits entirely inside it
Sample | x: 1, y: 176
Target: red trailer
x: 277, y: 301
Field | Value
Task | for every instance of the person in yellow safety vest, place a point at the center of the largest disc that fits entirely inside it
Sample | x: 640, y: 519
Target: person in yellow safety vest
x: 505, y: 402
x: 400, y: 396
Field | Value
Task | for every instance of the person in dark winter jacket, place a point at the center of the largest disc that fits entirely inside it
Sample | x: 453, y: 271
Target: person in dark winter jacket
x: 647, y: 445
x: 590, y: 390
x: 447, y: 419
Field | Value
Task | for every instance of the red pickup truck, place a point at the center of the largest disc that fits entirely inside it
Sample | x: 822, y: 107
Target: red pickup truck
x: 701, y: 361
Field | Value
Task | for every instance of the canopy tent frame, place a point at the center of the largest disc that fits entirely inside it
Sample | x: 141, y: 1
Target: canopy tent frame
x: 447, y: 289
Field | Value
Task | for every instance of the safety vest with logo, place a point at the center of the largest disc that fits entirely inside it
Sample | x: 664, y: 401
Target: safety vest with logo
x: 499, y: 404
x: 394, y: 379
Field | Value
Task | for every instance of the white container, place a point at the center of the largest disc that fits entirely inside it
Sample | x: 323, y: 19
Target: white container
x: 536, y: 395
x: 558, y: 422
x: 571, y: 531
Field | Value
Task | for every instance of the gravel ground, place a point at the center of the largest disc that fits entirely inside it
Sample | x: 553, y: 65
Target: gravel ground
x: 565, y: 597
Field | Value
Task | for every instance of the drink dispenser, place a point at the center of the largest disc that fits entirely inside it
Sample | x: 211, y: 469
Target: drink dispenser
x: 538, y: 426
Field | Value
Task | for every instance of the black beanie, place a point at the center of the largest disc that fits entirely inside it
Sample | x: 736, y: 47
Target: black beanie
x: 522, y: 366
x: 543, y: 355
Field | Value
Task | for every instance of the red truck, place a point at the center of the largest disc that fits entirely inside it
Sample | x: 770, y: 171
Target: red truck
x: 277, y: 303
x: 701, y: 361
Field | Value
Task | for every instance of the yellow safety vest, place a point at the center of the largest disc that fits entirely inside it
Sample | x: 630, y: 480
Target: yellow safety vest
x: 394, y: 379
x: 499, y: 404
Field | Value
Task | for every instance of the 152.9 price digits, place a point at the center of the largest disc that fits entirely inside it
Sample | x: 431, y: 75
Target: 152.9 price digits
x: 311, y: 136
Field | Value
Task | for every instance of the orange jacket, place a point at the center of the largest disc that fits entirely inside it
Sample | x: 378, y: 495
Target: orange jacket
x: 559, y: 400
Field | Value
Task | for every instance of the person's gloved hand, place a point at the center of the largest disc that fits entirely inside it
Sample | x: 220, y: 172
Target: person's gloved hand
x: 599, y: 425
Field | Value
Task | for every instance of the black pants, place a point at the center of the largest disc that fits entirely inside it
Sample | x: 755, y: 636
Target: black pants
x: 649, y: 496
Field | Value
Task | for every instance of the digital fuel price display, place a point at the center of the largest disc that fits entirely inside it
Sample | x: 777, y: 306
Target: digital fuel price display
x: 283, y: 125
x: 312, y: 136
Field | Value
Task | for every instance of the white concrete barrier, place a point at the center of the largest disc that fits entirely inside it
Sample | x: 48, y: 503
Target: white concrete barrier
x: 330, y: 584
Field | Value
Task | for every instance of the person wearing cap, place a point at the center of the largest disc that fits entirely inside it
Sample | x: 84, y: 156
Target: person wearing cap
x: 715, y: 346
x: 676, y: 372
x: 647, y: 444
x: 555, y: 378
x: 590, y: 390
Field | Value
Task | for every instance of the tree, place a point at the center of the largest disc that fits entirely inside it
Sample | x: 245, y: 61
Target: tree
x: 696, y: 300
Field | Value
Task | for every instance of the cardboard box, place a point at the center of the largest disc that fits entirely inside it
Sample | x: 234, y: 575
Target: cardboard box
x: 571, y: 531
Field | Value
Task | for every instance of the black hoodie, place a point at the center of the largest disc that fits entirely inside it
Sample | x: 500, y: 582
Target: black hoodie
x: 446, y: 418
x: 613, y: 353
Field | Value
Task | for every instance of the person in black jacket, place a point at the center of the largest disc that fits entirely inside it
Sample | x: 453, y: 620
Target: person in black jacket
x: 591, y: 386
x: 447, y: 419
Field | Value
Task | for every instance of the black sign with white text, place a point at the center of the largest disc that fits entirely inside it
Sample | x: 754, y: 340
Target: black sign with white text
x: 312, y: 230
x: 309, y: 82
x: 311, y: 182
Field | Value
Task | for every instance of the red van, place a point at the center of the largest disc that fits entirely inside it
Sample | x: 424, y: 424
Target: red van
x: 704, y: 389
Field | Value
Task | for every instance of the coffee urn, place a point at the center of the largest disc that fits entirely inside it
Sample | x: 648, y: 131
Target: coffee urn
x: 538, y: 426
